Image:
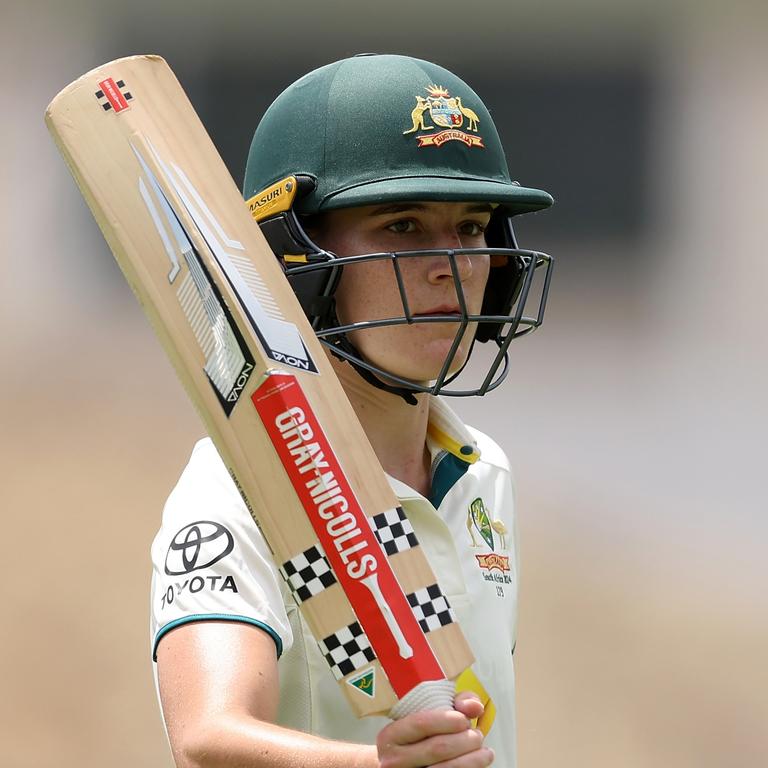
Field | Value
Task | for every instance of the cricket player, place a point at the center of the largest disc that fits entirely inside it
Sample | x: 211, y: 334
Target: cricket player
x: 382, y: 187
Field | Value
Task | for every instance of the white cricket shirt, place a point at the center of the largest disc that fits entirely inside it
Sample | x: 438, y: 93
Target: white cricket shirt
x: 210, y: 562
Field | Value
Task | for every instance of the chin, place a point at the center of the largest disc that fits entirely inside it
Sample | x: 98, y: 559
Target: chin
x: 416, y: 353
x: 427, y: 365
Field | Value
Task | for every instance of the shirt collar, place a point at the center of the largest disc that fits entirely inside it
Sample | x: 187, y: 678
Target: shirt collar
x: 446, y: 433
x: 452, y: 449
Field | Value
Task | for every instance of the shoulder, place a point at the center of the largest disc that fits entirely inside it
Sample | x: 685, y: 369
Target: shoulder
x: 204, y: 492
x: 205, y: 462
x: 204, y: 477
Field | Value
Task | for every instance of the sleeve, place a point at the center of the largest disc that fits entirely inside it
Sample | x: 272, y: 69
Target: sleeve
x: 210, y: 560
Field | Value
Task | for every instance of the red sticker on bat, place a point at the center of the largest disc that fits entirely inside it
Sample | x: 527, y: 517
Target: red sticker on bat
x: 113, y: 95
x: 354, y: 552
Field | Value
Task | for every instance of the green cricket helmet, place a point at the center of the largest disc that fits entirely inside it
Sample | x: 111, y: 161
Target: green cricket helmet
x: 374, y: 129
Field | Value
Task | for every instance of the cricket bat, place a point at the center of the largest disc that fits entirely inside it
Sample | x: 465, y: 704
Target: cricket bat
x: 243, y: 349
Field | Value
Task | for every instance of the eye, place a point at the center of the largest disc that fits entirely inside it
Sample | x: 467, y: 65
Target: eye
x: 472, y: 228
x: 402, y: 226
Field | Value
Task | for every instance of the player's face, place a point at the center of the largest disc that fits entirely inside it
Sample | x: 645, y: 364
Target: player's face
x: 369, y: 291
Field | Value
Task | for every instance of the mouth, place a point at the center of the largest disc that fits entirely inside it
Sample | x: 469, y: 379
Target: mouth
x: 443, y: 309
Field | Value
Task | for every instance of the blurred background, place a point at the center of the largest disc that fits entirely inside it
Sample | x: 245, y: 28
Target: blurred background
x: 635, y: 418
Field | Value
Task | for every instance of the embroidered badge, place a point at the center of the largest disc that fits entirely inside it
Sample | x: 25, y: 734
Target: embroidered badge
x: 495, y: 567
x: 493, y: 562
x: 477, y: 518
x: 447, y: 112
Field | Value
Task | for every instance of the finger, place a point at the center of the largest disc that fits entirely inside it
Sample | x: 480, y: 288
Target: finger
x: 421, y: 725
x: 441, y: 750
x: 468, y: 704
x: 461, y: 748
x: 480, y: 758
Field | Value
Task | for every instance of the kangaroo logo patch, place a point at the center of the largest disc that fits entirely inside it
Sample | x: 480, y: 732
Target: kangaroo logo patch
x: 446, y: 112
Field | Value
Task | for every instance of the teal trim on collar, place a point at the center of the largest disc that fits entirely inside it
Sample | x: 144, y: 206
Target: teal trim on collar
x: 217, y: 617
x: 448, y: 469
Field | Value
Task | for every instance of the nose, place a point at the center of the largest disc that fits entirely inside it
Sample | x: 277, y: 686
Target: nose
x: 440, y: 267
x: 446, y: 235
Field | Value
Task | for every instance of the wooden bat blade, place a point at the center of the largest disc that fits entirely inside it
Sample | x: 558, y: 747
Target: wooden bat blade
x: 244, y: 351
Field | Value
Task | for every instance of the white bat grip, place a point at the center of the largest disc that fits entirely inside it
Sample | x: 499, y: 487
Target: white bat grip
x: 434, y: 694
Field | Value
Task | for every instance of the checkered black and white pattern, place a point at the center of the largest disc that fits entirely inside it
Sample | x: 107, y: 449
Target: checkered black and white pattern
x: 308, y: 574
x: 347, y: 650
x: 393, y: 530
x: 431, y: 608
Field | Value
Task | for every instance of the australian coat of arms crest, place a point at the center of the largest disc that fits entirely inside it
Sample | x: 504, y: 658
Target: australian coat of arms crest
x: 446, y: 112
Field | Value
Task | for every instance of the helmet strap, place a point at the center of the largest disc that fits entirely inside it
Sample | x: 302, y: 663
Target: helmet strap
x: 342, y: 342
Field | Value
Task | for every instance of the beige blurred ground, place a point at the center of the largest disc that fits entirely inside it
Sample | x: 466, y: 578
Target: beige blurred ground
x: 636, y: 423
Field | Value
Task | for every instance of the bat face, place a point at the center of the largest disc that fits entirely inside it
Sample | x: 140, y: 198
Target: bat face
x: 260, y: 380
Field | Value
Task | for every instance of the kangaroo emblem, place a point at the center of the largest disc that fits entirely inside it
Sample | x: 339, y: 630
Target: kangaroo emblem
x: 417, y: 116
x: 439, y: 117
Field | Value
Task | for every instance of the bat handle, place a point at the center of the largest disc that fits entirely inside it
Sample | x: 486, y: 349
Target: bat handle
x: 432, y: 694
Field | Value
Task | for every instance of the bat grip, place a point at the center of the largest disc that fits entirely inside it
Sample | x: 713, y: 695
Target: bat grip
x: 433, y: 694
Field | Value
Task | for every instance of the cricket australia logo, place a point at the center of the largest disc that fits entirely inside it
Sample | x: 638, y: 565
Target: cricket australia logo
x: 446, y: 112
x: 495, y: 567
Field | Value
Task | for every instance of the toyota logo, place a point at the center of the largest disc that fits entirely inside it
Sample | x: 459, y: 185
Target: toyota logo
x: 198, y: 545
